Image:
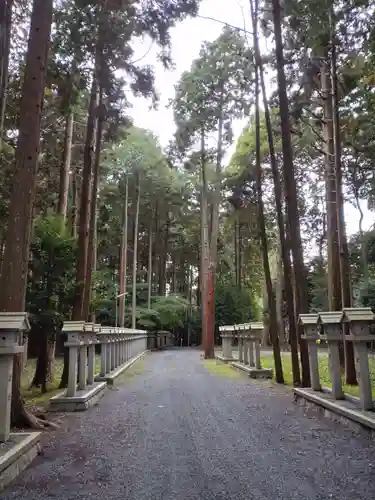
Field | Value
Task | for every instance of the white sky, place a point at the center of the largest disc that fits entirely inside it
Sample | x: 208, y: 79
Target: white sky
x: 187, y: 38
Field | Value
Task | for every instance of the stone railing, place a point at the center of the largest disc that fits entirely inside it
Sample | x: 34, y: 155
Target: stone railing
x: 328, y: 326
x: 119, y: 347
x: 160, y: 340
x: 249, y: 337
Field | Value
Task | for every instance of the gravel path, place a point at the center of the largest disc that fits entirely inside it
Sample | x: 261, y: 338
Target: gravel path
x: 174, y: 430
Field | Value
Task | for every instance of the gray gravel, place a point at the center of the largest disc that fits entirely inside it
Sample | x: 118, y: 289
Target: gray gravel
x: 176, y: 431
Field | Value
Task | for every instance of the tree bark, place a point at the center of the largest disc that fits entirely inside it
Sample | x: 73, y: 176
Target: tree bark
x: 284, y: 247
x: 205, y: 246
x: 16, y: 255
x: 78, y: 312
x: 263, y: 238
x: 74, y: 208
x: 46, y: 357
x: 291, y: 204
x: 149, y: 270
x: 124, y: 257
x: 84, y: 213
x: 346, y: 297
x: 65, y: 168
x: 163, y: 257
x: 334, y: 282
x: 91, y: 250
x: 135, y: 250
x: 5, y: 38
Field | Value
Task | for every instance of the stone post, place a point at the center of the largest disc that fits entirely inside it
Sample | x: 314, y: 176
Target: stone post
x: 74, y: 331
x: 91, y: 341
x: 332, y: 333
x: 257, y: 331
x: 104, y: 334
x: 121, y: 359
x: 12, y: 327
x: 109, y: 349
x: 118, y: 340
x: 251, y: 342
x: 82, y: 369
x: 310, y: 327
x: 113, y: 348
x: 128, y: 342
x: 359, y: 320
x: 121, y: 344
x: 246, y: 336
x: 127, y: 346
x: 237, y: 330
x: 227, y: 342
x: 92, y: 331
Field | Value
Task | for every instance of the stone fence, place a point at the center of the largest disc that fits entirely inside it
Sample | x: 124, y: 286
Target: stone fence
x: 249, y: 337
x: 119, y: 347
x: 159, y: 340
x: 329, y: 326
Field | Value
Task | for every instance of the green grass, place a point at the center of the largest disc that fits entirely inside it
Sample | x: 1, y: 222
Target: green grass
x: 34, y: 396
x: 325, y: 379
x: 220, y: 369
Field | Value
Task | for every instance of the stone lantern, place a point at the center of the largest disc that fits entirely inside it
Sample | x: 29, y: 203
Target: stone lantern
x: 359, y: 320
x: 310, y: 327
x: 247, y: 342
x: 257, y: 333
x: 226, y: 335
x: 241, y: 342
x: 12, y: 327
x: 332, y: 333
x: 74, y: 330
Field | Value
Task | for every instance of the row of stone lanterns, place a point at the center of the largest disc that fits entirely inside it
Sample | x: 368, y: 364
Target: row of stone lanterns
x: 119, y: 346
x: 328, y: 326
x: 249, y: 337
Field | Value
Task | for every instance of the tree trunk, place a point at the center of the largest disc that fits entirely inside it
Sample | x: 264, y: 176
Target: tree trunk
x: 334, y: 282
x: 74, y: 209
x: 237, y: 260
x: 363, y: 243
x: 16, y: 255
x: 263, y: 238
x: 135, y: 250
x: 149, y: 270
x: 333, y: 256
x: 46, y: 357
x: 163, y: 258
x: 279, y: 295
x: 291, y: 204
x: 346, y: 297
x: 84, y: 225
x: 65, y: 168
x: 284, y: 247
x: 205, y: 245
x: 93, y: 210
x: 84, y: 213
x: 124, y: 257
x: 5, y: 38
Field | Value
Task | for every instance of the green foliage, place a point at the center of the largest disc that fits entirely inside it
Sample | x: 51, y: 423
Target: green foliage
x: 317, y: 286
x: 233, y: 304
x: 216, y: 87
x: 51, y: 271
x: 172, y: 311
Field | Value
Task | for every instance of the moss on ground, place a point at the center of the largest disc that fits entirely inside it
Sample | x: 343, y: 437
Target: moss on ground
x: 136, y: 369
x: 220, y: 369
x: 325, y: 379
